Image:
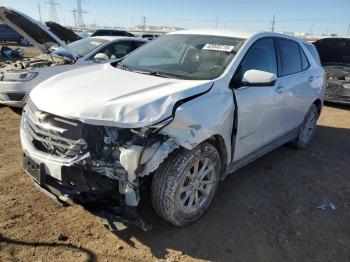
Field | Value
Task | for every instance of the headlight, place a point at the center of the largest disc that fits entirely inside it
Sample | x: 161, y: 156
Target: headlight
x: 18, y: 76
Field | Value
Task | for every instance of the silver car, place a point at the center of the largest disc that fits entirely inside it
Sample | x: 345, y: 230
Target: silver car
x: 18, y: 78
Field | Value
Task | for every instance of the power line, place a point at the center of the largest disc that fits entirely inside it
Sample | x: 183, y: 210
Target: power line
x: 144, y: 19
x: 273, y: 22
x: 79, y: 13
x: 39, y: 10
x: 53, y: 12
x: 74, y: 11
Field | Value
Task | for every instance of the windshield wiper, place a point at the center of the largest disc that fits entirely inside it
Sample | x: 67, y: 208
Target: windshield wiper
x: 154, y: 73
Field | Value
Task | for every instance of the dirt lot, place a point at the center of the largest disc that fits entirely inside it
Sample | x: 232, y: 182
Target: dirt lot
x: 264, y: 212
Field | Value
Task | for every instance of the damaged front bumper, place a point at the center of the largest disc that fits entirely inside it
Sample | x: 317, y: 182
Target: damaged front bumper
x: 338, y: 93
x: 69, y: 170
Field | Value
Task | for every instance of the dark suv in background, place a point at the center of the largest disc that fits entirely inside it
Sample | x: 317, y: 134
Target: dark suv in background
x: 7, y: 34
x: 105, y: 32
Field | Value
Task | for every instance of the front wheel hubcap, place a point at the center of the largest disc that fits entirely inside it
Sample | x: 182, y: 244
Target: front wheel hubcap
x: 309, y: 126
x: 197, y: 186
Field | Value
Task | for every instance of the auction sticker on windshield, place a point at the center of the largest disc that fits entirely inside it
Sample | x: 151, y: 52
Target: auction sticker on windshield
x: 224, y: 48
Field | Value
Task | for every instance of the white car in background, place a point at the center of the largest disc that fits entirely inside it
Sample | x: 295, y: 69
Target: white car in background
x: 18, y: 78
x: 186, y: 109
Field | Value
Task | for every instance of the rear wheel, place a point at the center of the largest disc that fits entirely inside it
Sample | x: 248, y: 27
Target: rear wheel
x: 184, y: 185
x: 307, y: 129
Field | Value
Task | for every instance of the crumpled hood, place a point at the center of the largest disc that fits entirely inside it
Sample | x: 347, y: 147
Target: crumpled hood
x: 36, y: 33
x: 105, y: 95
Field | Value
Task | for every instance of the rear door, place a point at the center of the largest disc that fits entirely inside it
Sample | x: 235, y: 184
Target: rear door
x: 259, y: 108
x: 294, y: 82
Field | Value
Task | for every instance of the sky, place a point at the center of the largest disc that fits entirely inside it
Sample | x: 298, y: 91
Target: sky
x: 311, y: 16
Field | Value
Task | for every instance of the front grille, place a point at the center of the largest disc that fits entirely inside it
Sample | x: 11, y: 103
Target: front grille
x: 334, y: 87
x: 54, y: 135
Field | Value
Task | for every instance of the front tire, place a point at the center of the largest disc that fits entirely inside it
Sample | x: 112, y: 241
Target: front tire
x: 307, y: 129
x: 185, y: 184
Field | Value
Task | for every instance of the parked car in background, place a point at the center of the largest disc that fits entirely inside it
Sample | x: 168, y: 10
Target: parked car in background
x: 105, y: 32
x: 186, y: 110
x: 7, y: 34
x: 150, y: 36
x: 65, y: 34
x: 18, y: 78
x: 335, y: 58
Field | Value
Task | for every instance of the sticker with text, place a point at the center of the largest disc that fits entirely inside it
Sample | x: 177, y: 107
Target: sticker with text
x: 224, y: 48
x: 95, y: 43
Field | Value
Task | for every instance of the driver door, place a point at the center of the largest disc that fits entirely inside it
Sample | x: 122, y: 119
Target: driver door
x: 260, y: 109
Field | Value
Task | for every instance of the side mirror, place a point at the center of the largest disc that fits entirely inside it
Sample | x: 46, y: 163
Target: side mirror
x: 258, y: 78
x: 100, y: 58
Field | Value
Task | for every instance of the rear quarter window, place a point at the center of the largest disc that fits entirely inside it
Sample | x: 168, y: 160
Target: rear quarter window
x: 313, y: 51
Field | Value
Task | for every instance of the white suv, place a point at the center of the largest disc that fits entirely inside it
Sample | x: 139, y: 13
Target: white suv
x: 187, y: 109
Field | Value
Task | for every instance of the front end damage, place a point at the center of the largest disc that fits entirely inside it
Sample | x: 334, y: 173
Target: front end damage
x: 338, y: 84
x: 74, y: 162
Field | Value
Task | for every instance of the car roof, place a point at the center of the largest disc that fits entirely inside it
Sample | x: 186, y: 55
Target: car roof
x: 114, y: 38
x: 245, y: 34
x: 218, y: 32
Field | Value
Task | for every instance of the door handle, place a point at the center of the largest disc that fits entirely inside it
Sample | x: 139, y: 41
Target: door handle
x: 312, y: 78
x: 279, y: 89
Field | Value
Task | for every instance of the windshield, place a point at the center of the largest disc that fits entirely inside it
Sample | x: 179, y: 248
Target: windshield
x: 81, y: 47
x: 194, y: 57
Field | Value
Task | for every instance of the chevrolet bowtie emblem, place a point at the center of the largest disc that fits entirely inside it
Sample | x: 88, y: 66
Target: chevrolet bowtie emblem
x: 38, y: 115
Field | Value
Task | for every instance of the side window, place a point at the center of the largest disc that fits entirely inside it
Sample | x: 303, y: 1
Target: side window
x: 304, y: 61
x: 260, y: 56
x: 117, y: 33
x: 290, y: 57
x: 118, y: 50
x: 102, y: 33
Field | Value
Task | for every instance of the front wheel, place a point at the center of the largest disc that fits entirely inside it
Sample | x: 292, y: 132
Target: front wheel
x: 185, y: 184
x: 307, y: 129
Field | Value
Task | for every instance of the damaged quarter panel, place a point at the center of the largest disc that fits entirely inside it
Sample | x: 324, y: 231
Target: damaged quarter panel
x: 203, y: 117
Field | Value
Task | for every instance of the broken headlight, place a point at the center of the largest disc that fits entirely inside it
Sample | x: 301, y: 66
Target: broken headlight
x: 18, y: 76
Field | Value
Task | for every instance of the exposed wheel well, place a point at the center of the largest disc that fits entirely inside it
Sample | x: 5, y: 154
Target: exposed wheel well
x: 318, y: 103
x: 219, y: 143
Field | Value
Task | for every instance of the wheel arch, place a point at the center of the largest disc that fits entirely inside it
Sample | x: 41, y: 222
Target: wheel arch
x: 318, y: 103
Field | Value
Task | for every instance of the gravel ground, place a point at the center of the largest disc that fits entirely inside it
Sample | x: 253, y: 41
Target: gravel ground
x: 266, y: 211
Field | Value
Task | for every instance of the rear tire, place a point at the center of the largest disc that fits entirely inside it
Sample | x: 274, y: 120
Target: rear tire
x: 185, y: 184
x: 307, y: 129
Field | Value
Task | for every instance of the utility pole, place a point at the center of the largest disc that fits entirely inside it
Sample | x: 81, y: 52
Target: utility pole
x: 53, y: 12
x: 144, y: 19
x: 74, y: 11
x: 39, y: 10
x: 216, y: 21
x: 80, y: 12
x: 311, y: 28
x: 273, y: 22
